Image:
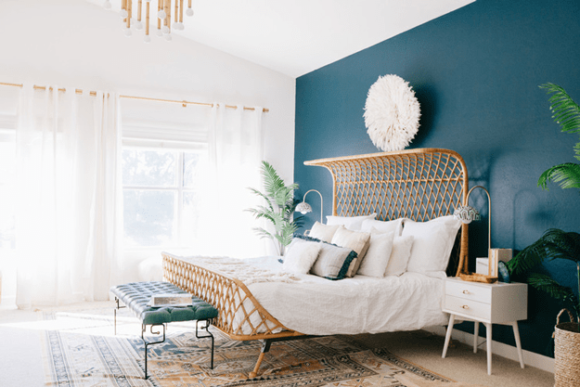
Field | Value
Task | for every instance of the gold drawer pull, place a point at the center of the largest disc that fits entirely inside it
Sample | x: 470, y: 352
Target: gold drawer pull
x: 465, y: 306
x: 466, y: 291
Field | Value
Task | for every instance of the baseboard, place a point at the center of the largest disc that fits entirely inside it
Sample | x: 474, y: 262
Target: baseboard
x: 531, y: 359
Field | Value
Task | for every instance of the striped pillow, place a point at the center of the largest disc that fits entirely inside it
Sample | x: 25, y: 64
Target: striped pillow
x: 333, y: 261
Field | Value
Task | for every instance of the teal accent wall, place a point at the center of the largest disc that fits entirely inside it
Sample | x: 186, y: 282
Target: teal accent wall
x: 476, y: 73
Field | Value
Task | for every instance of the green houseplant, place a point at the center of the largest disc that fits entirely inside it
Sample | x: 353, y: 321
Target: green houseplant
x: 558, y: 244
x: 278, y: 209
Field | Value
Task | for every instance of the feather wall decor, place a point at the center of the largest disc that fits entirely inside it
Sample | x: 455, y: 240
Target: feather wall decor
x: 392, y: 113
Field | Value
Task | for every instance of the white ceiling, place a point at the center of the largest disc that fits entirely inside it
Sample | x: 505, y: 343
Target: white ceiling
x: 296, y: 37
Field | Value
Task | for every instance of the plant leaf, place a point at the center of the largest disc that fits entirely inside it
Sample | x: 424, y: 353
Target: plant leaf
x: 567, y: 175
x: 552, y: 287
x: 566, y: 111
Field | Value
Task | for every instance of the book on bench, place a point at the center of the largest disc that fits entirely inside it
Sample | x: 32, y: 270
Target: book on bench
x: 170, y: 299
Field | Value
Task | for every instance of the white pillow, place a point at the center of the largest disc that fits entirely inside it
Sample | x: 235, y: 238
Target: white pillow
x: 352, y: 223
x: 400, y: 256
x: 378, y: 255
x: 300, y: 256
x: 384, y: 227
x: 323, y: 232
x: 356, y: 241
x: 433, y: 243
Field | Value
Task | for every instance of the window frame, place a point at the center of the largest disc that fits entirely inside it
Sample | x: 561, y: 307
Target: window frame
x: 178, y: 187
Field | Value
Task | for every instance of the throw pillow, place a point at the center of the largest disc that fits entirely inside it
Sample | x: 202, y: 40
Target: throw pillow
x: 378, y: 255
x: 399, y: 256
x: 333, y: 261
x: 357, y: 241
x: 353, y: 223
x: 383, y: 226
x: 323, y: 232
x: 433, y: 243
x: 300, y: 256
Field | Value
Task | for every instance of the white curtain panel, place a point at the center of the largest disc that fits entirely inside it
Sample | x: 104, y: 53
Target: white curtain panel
x: 235, y: 154
x: 67, y: 207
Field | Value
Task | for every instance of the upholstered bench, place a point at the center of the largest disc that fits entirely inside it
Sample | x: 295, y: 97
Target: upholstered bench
x: 137, y: 295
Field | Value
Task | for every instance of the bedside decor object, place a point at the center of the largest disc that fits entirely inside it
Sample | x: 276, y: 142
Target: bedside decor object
x: 503, y: 273
x: 279, y: 208
x: 495, y: 257
x: 305, y: 208
x: 132, y: 12
x: 392, y: 113
x: 488, y: 304
x: 467, y: 214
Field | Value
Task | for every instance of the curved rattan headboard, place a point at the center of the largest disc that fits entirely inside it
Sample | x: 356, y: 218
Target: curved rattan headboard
x: 419, y: 184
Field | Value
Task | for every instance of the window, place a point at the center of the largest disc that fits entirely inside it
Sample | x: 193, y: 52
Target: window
x: 161, y: 195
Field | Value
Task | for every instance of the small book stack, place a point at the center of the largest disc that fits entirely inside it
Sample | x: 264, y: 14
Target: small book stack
x: 171, y: 299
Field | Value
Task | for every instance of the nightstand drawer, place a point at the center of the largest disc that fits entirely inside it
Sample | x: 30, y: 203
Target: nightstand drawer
x: 467, y: 307
x: 468, y: 291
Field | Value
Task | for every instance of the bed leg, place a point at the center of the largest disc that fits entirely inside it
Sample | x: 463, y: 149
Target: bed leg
x: 265, y: 348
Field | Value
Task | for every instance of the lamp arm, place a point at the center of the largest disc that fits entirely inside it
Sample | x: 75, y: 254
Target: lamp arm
x: 488, y: 215
x: 321, y: 202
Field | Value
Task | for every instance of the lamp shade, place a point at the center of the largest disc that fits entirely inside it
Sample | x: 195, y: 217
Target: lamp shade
x: 466, y: 214
x: 303, y: 208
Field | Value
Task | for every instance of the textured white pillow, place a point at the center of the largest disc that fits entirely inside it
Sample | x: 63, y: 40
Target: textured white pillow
x: 323, y: 232
x: 356, y: 241
x: 433, y: 243
x: 300, y: 256
x: 400, y: 256
x: 384, y: 227
x: 378, y: 255
x: 352, y: 223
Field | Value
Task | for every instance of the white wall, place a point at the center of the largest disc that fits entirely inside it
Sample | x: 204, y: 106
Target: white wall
x: 76, y: 43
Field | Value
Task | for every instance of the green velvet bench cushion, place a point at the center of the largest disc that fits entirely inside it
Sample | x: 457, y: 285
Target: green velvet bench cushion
x: 136, y: 296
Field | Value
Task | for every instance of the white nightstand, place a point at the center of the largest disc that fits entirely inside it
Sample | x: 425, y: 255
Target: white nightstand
x: 498, y: 303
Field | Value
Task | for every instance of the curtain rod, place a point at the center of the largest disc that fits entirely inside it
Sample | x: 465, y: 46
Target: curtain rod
x: 94, y: 93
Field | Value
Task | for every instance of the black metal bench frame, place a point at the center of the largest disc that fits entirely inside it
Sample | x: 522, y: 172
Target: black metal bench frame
x: 151, y: 326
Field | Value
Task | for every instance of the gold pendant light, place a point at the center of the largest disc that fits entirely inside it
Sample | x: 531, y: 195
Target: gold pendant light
x: 133, y: 19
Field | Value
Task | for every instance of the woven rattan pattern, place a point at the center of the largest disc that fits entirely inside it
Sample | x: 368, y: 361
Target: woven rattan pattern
x: 420, y: 184
x: 230, y: 296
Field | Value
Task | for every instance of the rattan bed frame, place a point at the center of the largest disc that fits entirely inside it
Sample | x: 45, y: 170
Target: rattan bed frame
x: 419, y: 184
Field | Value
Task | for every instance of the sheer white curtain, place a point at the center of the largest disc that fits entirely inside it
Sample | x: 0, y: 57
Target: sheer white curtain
x: 67, y: 207
x: 235, y: 154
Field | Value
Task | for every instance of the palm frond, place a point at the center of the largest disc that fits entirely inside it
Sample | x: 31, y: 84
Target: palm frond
x: 549, y: 285
x: 528, y: 258
x: 262, y: 212
x: 272, y: 181
x: 566, y: 112
x: 561, y: 244
x: 262, y: 233
x: 567, y: 175
x: 263, y: 196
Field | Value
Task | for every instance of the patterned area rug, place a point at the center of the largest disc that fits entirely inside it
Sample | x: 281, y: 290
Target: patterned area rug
x: 81, y: 350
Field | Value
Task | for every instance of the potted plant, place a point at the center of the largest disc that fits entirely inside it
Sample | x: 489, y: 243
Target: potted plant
x: 279, y: 208
x: 557, y: 244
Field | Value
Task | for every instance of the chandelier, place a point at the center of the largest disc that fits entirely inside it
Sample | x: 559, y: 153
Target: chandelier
x: 165, y: 10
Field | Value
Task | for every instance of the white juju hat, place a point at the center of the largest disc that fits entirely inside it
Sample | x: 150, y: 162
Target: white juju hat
x: 392, y: 113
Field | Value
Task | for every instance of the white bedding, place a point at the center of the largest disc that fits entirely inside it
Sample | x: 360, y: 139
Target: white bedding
x: 317, y: 306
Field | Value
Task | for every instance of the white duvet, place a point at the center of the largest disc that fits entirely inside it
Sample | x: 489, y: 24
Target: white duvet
x: 317, y: 306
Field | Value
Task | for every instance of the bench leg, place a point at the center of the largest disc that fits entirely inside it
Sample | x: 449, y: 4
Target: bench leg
x: 265, y: 348
x: 209, y: 335
x: 115, y: 313
x: 143, y: 329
